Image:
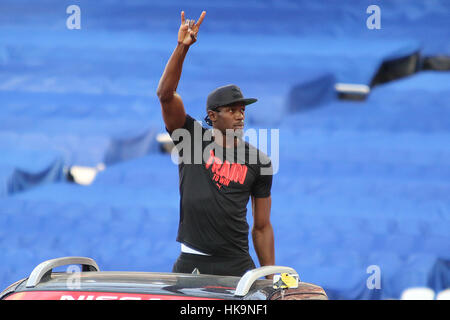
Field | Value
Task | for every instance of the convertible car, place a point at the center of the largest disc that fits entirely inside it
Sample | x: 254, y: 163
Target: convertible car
x: 85, y: 281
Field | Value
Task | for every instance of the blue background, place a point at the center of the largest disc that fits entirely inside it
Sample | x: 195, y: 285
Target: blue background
x: 359, y: 183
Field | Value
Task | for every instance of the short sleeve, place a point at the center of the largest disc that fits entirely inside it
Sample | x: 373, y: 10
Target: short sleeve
x: 188, y: 125
x: 188, y: 140
x: 263, y: 184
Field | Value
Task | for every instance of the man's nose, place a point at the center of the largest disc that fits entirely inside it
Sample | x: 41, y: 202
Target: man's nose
x: 240, y: 115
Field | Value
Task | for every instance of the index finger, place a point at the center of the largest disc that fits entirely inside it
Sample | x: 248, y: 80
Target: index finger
x: 200, y: 20
x: 182, y: 17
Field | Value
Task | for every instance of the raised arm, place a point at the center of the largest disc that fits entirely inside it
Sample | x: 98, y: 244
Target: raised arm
x: 172, y: 106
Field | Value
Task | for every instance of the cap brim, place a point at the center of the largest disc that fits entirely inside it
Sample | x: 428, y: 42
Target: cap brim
x: 246, y: 102
x: 249, y: 101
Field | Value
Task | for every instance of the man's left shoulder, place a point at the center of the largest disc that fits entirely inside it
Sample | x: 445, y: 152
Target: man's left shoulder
x: 262, y: 158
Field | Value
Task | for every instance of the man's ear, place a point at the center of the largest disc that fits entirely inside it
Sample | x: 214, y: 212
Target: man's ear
x: 212, y: 115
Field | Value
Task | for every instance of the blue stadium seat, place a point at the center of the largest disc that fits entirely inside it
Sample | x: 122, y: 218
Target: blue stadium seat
x: 359, y: 184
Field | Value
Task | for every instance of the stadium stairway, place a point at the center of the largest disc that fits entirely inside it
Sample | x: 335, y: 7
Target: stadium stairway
x: 365, y: 183
x: 37, y: 54
x: 93, y: 100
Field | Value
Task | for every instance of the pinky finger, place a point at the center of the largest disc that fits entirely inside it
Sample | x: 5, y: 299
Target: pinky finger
x: 200, y: 20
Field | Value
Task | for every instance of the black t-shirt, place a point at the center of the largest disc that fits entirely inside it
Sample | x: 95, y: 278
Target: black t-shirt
x: 215, y: 187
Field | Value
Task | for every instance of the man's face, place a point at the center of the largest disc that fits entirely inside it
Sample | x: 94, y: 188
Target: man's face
x: 229, y: 117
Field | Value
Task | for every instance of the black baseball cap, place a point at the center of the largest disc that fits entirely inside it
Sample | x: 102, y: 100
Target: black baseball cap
x: 224, y: 96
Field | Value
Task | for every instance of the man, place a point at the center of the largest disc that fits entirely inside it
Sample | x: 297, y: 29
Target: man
x: 215, y: 190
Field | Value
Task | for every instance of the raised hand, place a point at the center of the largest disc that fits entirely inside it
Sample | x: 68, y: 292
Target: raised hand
x: 187, y: 34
